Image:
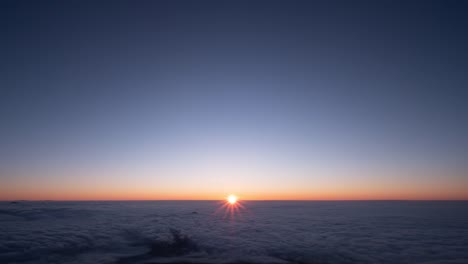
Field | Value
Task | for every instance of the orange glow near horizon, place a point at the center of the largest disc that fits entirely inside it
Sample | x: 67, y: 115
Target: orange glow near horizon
x: 77, y: 195
x: 347, y: 185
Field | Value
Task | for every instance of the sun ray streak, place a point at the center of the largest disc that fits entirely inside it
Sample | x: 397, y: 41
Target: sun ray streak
x: 231, y: 208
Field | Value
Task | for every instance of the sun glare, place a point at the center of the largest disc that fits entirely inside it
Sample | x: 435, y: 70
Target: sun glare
x: 232, y: 199
x: 232, y: 207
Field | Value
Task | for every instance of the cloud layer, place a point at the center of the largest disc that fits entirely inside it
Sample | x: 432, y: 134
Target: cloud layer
x: 262, y: 232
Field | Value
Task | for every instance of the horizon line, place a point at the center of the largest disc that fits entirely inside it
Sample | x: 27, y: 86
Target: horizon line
x: 257, y: 200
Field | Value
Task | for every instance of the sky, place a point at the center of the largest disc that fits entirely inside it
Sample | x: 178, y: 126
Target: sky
x: 319, y: 100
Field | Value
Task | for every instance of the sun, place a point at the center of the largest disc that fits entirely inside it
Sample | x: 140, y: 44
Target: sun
x: 232, y: 199
x: 232, y: 207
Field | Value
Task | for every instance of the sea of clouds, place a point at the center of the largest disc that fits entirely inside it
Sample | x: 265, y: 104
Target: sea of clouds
x: 262, y: 232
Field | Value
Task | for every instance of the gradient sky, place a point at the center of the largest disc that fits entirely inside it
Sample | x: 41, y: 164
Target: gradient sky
x: 265, y: 99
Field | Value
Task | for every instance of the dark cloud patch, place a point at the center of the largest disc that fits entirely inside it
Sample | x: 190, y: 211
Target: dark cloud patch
x: 179, y: 245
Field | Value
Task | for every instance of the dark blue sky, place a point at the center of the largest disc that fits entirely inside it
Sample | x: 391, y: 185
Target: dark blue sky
x: 270, y: 85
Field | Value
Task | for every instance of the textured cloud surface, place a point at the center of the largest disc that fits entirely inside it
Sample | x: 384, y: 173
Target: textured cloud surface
x: 263, y: 232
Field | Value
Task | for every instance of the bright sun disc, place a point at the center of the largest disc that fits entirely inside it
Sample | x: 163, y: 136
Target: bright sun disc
x: 232, y: 199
